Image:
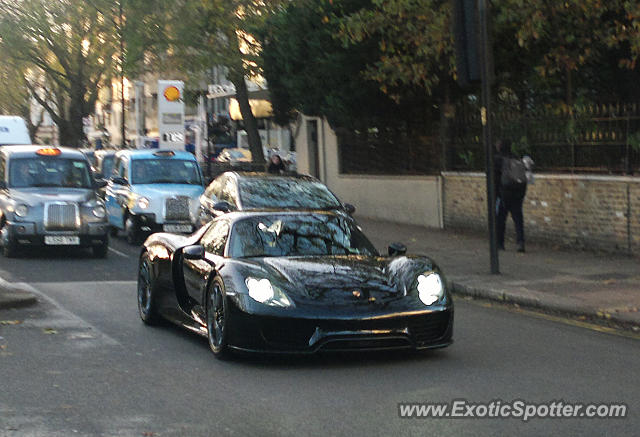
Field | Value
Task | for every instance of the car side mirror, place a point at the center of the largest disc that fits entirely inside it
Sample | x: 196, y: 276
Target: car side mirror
x: 349, y: 208
x: 119, y: 181
x: 397, y: 249
x: 223, y: 207
x: 100, y: 183
x: 194, y: 252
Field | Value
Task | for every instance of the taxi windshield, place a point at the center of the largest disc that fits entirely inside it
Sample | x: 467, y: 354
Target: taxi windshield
x: 49, y: 172
x: 165, y: 171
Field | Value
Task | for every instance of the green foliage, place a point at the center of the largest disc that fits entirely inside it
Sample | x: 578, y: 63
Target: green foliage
x: 319, y: 74
x: 634, y: 141
x: 192, y: 36
x: 64, y: 51
x: 468, y: 158
x: 413, y: 39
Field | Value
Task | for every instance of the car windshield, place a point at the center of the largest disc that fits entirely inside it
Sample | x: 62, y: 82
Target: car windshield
x: 298, y: 235
x: 274, y: 192
x: 49, y: 172
x: 165, y: 171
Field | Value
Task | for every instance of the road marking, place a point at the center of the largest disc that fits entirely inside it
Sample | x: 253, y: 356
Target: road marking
x: 117, y: 252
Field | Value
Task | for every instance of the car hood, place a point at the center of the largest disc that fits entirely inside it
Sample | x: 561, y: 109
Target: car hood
x: 339, y: 278
x: 155, y: 191
x: 35, y: 196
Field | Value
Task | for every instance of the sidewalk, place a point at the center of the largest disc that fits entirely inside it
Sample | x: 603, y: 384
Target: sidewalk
x: 598, y: 286
x: 14, y: 297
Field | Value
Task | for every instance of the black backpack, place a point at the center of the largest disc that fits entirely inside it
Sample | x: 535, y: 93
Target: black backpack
x: 514, y: 173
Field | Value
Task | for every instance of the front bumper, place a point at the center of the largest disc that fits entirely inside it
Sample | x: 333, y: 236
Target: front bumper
x: 262, y: 333
x: 147, y: 223
x: 30, y: 234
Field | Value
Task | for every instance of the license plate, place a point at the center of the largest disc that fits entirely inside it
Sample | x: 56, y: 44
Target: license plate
x: 61, y: 240
x: 177, y: 228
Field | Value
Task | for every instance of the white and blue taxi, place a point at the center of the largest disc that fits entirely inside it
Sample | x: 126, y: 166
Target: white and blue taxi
x: 153, y: 191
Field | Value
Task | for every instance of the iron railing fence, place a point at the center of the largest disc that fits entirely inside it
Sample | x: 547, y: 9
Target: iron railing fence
x: 590, y: 138
x: 407, y: 149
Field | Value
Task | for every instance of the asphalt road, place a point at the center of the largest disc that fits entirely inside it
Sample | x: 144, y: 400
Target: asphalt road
x: 82, y: 363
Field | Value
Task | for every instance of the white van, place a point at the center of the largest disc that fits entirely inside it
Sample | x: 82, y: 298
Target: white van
x: 13, y: 130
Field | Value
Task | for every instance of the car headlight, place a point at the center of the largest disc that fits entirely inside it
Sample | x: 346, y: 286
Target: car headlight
x: 143, y: 203
x: 430, y: 288
x: 261, y: 290
x: 99, y: 211
x: 22, y: 210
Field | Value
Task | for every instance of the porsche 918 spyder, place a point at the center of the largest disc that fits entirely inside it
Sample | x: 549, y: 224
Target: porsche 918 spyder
x: 293, y: 282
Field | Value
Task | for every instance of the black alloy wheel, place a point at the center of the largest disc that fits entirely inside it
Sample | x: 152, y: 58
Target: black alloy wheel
x: 217, y: 319
x: 101, y: 250
x: 146, y: 299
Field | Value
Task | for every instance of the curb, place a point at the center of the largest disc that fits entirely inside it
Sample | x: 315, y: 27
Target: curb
x: 546, y: 306
x: 15, y: 297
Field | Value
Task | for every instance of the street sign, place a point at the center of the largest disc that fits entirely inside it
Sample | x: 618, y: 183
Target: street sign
x: 171, y: 114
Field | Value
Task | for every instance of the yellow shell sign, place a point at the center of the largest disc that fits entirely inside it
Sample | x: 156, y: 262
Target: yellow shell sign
x: 172, y: 94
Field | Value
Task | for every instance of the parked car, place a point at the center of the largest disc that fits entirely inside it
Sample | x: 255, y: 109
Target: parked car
x: 152, y: 191
x: 48, y: 197
x: 233, y: 191
x: 103, y: 167
x: 234, y: 156
x: 293, y: 282
x: 13, y: 130
x: 104, y: 160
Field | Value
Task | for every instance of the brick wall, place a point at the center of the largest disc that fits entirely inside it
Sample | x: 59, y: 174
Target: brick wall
x: 566, y: 210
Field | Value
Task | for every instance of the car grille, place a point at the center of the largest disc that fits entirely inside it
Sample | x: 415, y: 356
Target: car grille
x: 430, y: 328
x: 177, y: 208
x: 62, y: 217
x: 423, y: 330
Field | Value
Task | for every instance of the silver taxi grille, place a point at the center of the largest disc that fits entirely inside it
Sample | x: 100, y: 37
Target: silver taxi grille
x: 62, y: 217
x: 177, y: 208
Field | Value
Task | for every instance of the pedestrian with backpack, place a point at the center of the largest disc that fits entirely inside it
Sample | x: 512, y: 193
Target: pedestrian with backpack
x: 511, y: 187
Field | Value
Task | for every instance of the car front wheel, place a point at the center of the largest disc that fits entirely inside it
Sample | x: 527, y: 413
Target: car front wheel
x: 131, y: 231
x: 146, y: 296
x: 101, y: 250
x: 217, y: 319
x: 10, y: 249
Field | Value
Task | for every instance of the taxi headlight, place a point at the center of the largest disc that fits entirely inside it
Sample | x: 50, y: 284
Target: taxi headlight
x: 143, y: 203
x: 22, y: 210
x: 99, y: 211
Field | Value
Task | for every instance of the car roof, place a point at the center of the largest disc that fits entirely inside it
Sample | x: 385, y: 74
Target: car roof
x: 135, y: 154
x: 236, y: 216
x: 30, y: 151
x: 269, y: 176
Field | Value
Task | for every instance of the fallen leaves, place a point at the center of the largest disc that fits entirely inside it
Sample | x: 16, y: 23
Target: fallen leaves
x: 49, y: 331
x: 10, y: 322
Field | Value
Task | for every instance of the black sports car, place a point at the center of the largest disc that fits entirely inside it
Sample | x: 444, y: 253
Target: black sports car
x: 295, y: 282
